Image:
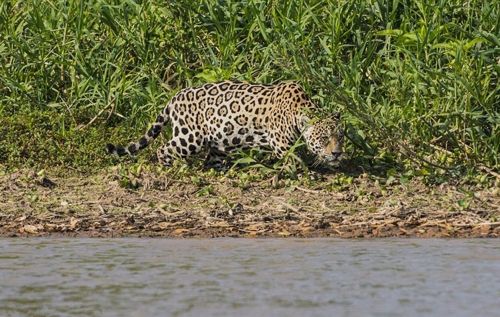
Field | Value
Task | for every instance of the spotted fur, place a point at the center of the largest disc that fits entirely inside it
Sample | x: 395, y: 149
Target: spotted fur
x: 221, y: 117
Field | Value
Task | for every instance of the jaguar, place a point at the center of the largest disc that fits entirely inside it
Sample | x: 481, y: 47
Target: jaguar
x: 219, y: 118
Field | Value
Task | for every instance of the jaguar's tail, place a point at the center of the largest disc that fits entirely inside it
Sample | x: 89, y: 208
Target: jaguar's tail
x: 134, y: 147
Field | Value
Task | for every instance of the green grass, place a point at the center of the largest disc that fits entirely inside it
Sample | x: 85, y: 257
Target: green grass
x: 417, y: 80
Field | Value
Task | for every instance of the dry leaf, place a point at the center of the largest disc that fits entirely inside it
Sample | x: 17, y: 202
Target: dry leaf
x: 163, y: 225
x: 284, y: 233
x: 29, y: 229
x: 72, y: 223
x: 180, y: 231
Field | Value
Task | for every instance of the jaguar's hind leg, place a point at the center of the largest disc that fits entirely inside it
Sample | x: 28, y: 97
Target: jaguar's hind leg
x: 165, y: 155
x: 176, y: 149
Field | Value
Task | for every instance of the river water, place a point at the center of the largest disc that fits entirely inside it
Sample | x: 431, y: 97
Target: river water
x: 240, y: 277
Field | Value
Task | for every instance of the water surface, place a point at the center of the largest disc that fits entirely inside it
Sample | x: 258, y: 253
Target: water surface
x: 269, y: 277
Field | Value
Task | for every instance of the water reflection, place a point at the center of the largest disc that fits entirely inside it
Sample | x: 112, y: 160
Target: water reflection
x: 227, y: 277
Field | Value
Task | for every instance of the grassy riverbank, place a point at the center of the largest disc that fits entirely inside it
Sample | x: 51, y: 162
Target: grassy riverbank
x: 417, y: 82
x: 143, y: 201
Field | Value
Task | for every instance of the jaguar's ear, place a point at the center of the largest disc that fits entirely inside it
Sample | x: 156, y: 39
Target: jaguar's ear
x: 336, y: 115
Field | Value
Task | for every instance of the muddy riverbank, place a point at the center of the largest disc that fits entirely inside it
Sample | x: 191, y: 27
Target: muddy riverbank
x: 149, y: 204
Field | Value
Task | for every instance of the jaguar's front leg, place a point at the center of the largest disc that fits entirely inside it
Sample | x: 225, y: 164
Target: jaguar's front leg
x: 216, y: 159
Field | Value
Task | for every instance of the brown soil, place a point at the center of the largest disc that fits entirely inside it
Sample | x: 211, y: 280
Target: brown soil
x: 100, y: 206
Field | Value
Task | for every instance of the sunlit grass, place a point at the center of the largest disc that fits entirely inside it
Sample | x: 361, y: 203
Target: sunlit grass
x: 417, y: 80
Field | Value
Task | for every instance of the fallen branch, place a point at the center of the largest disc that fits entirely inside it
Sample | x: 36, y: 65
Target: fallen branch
x: 489, y: 171
x: 286, y: 205
x: 306, y: 190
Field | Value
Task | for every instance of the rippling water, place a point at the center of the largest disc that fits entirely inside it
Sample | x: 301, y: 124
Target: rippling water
x: 228, y: 277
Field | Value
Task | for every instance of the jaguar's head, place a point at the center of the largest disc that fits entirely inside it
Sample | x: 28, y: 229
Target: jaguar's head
x: 324, y: 138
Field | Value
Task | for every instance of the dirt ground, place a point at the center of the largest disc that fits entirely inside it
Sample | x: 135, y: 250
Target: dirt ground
x: 155, y: 205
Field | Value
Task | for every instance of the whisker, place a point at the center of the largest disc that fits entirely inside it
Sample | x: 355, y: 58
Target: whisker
x: 317, y: 162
